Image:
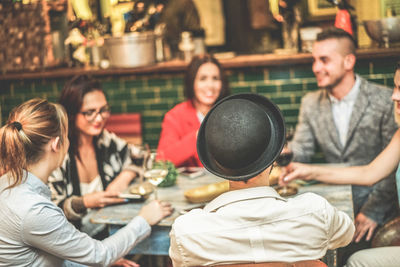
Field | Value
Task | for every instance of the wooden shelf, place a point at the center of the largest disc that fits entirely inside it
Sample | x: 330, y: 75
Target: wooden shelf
x: 173, y: 66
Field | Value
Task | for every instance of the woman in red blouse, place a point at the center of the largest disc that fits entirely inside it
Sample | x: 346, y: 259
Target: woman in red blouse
x: 205, y: 84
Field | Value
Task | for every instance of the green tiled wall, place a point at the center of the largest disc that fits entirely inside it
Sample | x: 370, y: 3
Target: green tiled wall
x: 155, y: 94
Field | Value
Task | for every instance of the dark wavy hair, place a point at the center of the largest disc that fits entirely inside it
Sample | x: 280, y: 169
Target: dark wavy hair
x: 71, y: 99
x: 191, y: 73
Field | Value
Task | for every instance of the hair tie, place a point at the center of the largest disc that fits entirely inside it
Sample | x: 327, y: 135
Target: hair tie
x: 17, y: 125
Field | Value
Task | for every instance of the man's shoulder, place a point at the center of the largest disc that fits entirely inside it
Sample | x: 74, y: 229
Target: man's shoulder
x: 375, y: 90
x: 187, y: 221
x: 314, y: 97
x: 309, y: 197
x: 309, y: 202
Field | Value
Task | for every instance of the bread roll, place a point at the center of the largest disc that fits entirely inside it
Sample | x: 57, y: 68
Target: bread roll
x: 206, y: 193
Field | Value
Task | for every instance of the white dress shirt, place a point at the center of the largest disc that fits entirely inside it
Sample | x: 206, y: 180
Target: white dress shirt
x: 257, y: 225
x: 35, y: 232
x: 342, y: 109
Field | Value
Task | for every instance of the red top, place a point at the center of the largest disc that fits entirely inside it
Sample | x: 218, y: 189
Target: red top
x: 179, y: 135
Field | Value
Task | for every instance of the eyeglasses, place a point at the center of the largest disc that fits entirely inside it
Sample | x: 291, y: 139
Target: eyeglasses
x: 91, y: 114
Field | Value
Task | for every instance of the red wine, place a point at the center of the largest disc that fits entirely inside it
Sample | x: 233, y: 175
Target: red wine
x: 284, y: 159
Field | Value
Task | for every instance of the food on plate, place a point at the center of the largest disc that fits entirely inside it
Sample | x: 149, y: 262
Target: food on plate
x: 207, y: 192
x: 142, y: 189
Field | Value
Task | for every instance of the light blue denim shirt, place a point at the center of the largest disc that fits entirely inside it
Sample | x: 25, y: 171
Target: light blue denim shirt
x: 35, y: 232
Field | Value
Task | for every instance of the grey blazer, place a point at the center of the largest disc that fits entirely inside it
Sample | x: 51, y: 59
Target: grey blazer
x: 371, y: 127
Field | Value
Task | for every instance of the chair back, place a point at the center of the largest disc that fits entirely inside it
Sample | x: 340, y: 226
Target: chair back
x: 308, y: 263
x: 128, y: 126
x: 388, y: 235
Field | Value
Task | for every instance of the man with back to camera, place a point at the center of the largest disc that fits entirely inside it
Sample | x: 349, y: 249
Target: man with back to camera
x: 239, y: 139
x: 351, y: 120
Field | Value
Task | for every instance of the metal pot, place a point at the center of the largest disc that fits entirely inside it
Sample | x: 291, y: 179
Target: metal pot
x: 131, y: 50
x: 384, y: 31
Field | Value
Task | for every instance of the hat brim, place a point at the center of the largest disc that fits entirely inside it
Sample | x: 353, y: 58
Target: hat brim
x: 267, y: 157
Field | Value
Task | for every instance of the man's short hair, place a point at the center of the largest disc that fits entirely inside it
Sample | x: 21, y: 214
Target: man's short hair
x: 398, y: 66
x: 336, y: 33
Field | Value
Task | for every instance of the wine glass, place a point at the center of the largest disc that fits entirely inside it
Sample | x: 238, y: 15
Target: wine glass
x: 138, y: 155
x: 286, y: 155
x: 155, y: 169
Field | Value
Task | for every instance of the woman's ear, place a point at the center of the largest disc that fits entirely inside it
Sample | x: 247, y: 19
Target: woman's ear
x: 55, y: 144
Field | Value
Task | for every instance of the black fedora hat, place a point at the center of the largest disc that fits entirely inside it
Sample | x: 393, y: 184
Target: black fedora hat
x: 241, y: 136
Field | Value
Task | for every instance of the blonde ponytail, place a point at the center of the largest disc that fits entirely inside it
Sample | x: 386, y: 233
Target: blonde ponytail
x: 12, y: 152
x: 28, y: 129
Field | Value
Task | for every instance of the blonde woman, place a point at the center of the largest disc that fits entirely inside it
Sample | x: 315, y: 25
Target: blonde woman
x: 34, y: 231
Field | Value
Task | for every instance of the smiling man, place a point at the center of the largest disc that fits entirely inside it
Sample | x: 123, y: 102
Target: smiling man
x: 351, y: 120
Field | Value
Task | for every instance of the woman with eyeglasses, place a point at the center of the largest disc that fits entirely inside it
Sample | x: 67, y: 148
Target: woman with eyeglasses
x: 34, y: 231
x: 98, y: 166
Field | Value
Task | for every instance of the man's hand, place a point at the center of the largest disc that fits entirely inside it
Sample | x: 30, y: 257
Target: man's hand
x: 364, y: 225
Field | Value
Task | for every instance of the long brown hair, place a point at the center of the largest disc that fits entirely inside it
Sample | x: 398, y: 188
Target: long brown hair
x: 29, y: 128
x: 191, y: 73
x: 71, y: 99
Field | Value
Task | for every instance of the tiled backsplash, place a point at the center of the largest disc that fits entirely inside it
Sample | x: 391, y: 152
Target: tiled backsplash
x: 154, y: 94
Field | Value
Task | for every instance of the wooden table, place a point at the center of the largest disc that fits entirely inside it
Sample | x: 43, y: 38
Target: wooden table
x: 158, y: 243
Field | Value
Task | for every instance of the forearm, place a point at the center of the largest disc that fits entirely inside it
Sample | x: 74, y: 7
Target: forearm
x: 122, y: 181
x: 58, y: 237
x: 356, y: 175
x: 341, y: 175
x: 382, y: 201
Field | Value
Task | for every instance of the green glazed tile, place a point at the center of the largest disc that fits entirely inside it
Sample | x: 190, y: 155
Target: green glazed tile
x: 279, y: 74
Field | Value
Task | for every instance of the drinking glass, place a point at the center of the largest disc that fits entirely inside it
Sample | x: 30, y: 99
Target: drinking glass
x: 138, y: 155
x: 155, y: 169
x: 286, y: 156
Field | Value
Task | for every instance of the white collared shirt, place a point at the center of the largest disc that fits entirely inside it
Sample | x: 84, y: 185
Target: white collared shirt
x: 35, y: 232
x: 342, y: 109
x: 257, y: 225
